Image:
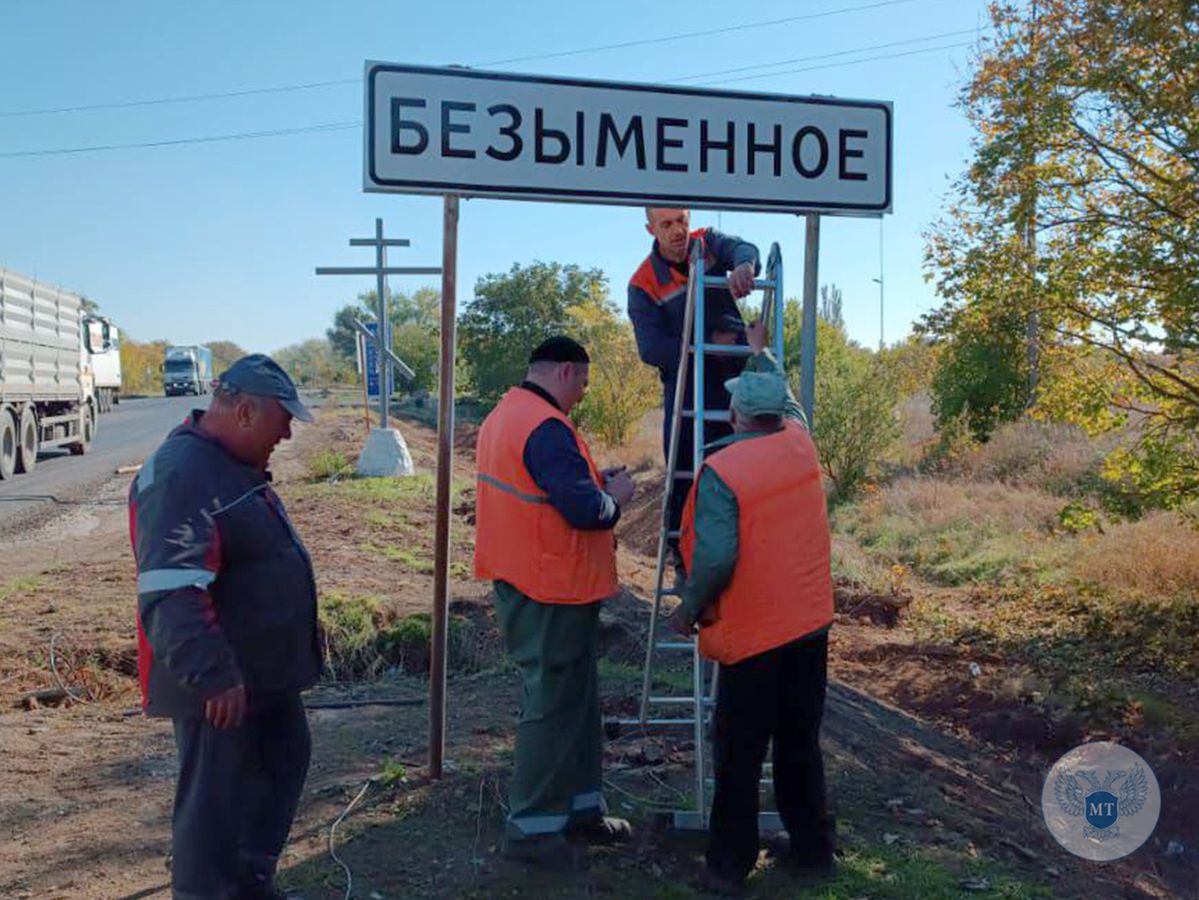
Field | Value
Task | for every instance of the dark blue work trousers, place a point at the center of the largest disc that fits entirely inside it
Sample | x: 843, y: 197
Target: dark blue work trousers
x: 236, y: 797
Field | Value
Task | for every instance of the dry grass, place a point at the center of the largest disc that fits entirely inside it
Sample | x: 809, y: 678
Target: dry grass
x: 954, y: 531
x: 1156, y: 557
x: 1058, y: 459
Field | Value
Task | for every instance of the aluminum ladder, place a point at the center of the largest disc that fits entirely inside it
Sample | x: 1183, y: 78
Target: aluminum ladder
x: 655, y: 709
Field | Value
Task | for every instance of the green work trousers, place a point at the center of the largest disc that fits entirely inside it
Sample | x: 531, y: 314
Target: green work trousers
x: 557, y: 780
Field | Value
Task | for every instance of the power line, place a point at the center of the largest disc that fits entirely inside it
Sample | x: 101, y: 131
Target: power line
x: 784, y: 62
x: 313, y: 85
x: 157, y: 101
x: 240, y: 136
x: 645, y: 42
x: 335, y: 126
x: 848, y: 62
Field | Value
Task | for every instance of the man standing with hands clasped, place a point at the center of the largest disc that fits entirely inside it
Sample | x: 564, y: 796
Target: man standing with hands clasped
x: 226, y: 605
x: 755, y: 543
x: 544, y: 516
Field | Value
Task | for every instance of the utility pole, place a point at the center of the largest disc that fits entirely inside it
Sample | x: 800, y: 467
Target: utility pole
x: 1028, y: 223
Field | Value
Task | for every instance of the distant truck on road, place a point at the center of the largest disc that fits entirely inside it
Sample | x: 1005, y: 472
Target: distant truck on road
x: 102, y: 340
x: 46, y: 389
x: 187, y: 370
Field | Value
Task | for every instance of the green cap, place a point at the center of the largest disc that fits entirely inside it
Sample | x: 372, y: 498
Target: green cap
x: 758, y: 394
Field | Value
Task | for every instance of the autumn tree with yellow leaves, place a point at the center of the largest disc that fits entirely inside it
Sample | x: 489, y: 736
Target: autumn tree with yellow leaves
x: 1074, y: 233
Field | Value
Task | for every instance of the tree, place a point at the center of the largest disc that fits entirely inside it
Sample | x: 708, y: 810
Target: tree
x: 224, y: 354
x: 1079, y: 215
x: 512, y: 313
x: 830, y: 306
x: 415, y: 328
x: 856, y: 399
x: 622, y: 389
x: 312, y: 363
x: 141, y: 366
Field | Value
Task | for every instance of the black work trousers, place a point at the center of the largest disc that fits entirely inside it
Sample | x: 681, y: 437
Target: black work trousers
x: 236, y: 797
x: 775, y: 695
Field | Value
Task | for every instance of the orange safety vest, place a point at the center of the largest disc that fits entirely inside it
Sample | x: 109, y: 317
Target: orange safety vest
x: 782, y: 588
x: 519, y: 537
x: 662, y: 282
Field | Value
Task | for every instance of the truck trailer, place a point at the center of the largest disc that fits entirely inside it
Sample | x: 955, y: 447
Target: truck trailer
x: 187, y: 370
x: 46, y: 390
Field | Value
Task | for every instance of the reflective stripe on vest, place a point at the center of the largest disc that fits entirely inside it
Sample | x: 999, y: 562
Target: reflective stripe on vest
x: 781, y: 589
x: 519, y: 537
x: 660, y: 292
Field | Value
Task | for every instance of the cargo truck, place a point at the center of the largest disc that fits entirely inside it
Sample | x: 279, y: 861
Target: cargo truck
x: 46, y: 390
x: 187, y: 370
x: 102, y: 345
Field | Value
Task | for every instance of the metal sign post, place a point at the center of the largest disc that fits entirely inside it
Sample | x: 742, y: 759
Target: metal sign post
x: 807, y: 349
x: 445, y: 468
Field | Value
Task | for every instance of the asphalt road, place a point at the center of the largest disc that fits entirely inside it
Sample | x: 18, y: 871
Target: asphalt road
x: 124, y: 437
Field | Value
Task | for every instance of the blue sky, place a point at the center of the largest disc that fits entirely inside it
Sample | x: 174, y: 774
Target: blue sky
x: 218, y: 240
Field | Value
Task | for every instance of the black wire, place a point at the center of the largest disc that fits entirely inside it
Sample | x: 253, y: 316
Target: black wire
x: 124, y: 104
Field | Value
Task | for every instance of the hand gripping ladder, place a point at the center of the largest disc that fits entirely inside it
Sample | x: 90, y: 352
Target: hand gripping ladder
x: 656, y: 708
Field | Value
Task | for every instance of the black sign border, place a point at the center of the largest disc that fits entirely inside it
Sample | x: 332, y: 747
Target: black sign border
x: 613, y: 197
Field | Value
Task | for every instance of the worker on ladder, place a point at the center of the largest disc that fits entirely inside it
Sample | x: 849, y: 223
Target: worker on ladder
x: 657, y: 303
x: 545, y: 515
x: 755, y: 542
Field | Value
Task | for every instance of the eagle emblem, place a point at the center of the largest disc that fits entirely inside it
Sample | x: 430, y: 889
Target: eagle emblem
x: 1101, y: 802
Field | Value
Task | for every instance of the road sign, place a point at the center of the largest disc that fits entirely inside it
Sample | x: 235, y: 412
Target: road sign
x: 495, y: 134
x: 372, y: 364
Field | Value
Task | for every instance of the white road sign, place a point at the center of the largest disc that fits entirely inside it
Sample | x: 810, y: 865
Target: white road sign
x: 494, y: 134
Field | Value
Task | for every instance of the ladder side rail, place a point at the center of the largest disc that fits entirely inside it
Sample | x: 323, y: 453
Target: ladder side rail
x: 672, y: 456
x: 697, y: 455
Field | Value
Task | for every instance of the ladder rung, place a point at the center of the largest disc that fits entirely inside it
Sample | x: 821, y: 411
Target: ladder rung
x: 710, y: 415
x: 762, y: 782
x: 659, y: 723
x: 678, y: 700
x: 725, y: 350
x: 674, y: 534
x: 674, y: 645
x: 669, y: 592
x: 688, y: 474
x: 721, y: 281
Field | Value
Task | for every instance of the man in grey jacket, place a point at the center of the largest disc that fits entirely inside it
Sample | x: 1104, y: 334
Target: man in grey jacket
x: 227, y: 631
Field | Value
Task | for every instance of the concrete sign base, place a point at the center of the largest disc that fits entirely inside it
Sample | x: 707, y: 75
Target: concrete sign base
x: 385, y: 455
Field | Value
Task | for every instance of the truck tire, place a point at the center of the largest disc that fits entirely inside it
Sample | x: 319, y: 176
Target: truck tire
x: 87, y: 430
x: 28, y: 441
x: 8, y: 444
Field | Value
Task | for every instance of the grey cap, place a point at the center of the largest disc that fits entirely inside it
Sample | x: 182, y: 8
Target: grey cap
x: 261, y: 376
x: 758, y: 394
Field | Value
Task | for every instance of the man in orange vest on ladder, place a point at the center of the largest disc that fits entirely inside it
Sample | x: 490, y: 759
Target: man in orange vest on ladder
x: 544, y: 517
x: 756, y: 546
x: 656, y: 306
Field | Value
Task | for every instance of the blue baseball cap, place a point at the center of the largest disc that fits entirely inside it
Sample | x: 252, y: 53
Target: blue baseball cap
x: 261, y: 376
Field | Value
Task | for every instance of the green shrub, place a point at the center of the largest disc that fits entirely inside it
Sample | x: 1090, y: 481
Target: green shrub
x: 349, y: 625
x: 329, y: 464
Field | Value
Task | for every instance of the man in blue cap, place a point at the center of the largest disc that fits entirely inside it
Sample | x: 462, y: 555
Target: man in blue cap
x: 227, y: 631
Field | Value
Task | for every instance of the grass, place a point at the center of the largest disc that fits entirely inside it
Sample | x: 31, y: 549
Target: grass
x: 329, y: 464
x: 20, y: 586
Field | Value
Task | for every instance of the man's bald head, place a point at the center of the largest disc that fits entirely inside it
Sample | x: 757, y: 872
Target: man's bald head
x: 671, y: 228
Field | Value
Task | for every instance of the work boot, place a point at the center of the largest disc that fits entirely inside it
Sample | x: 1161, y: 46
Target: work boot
x: 813, y: 862
x: 721, y: 885
x: 548, y: 851
x: 601, y: 830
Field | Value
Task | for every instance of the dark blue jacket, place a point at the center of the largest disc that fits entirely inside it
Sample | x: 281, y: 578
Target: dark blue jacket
x: 553, y: 461
x: 225, y: 588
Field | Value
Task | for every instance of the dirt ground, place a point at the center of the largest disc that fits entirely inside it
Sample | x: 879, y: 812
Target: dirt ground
x: 935, y: 772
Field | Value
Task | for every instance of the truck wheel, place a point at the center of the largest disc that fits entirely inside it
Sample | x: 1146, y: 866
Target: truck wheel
x: 8, y: 445
x: 87, y: 430
x: 28, y: 441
